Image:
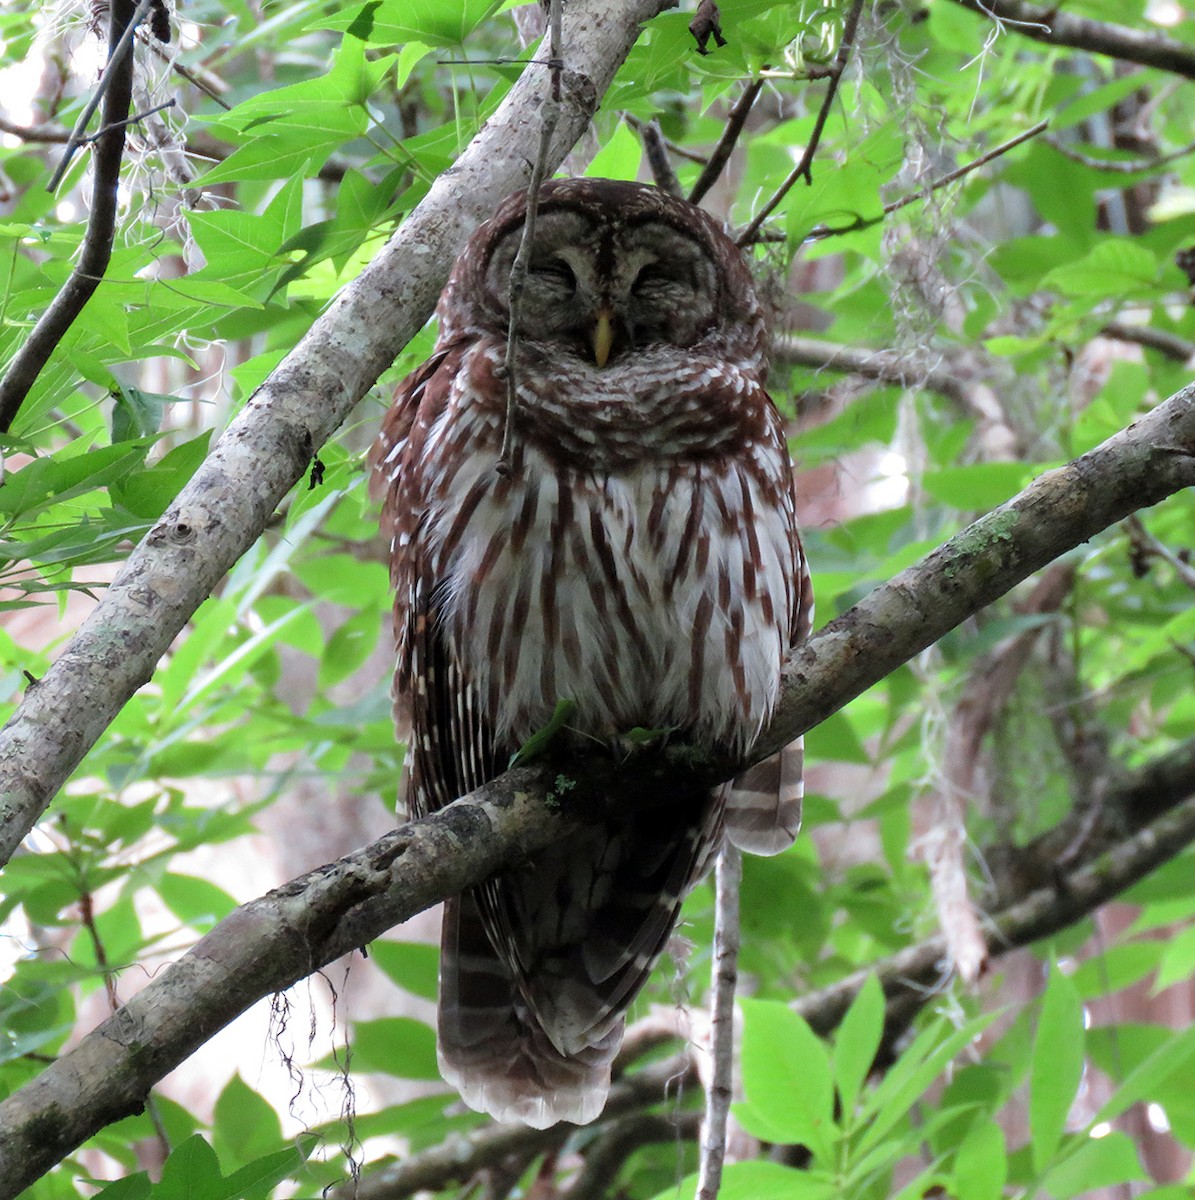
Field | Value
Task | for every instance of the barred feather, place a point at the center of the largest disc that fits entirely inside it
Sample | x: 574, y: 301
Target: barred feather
x: 641, y: 558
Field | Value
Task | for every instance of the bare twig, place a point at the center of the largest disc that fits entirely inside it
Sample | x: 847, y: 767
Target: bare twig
x: 605, y: 1157
x: 518, y: 270
x: 1119, y: 166
x: 825, y: 231
x: 657, y: 157
x: 967, y: 168
x: 209, y: 84
x: 34, y: 133
x: 673, y: 147
x: 133, y: 120
x: 461, y: 1157
x: 735, y: 120
x: 804, y: 169
x: 1169, y: 344
x: 1057, y: 27
x: 720, y: 1090
x: 120, y: 62
x: 1153, y: 547
x: 96, y: 252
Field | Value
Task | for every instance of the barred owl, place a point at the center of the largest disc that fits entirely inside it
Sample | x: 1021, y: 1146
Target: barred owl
x: 640, y: 557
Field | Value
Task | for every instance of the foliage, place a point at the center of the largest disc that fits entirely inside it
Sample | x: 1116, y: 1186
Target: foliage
x: 340, y: 118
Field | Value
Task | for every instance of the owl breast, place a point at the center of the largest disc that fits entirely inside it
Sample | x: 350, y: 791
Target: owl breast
x: 627, y: 562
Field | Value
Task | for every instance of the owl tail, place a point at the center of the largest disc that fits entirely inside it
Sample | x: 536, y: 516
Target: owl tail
x: 763, y: 810
x: 492, y: 1048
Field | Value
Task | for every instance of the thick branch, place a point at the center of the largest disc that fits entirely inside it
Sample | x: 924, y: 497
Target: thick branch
x: 461, y: 1157
x: 1151, y: 459
x: 220, y: 513
x: 1059, y: 28
x: 50, y: 329
x: 268, y: 944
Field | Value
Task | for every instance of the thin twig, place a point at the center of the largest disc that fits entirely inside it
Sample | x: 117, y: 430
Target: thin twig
x: 735, y: 120
x: 1153, y: 547
x: 518, y: 269
x: 804, y: 169
x: 825, y: 231
x: 34, y: 133
x: 1055, y: 26
x: 117, y: 83
x: 133, y: 120
x: 606, y: 1156
x: 673, y: 147
x: 121, y: 50
x: 657, y: 157
x: 1131, y: 166
x: 209, y: 87
x: 1169, y: 344
x: 727, y: 880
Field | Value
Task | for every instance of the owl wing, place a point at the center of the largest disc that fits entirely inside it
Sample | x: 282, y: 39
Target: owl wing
x: 763, y: 809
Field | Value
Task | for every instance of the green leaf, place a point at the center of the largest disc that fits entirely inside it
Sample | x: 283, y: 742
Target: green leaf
x: 1178, y: 959
x: 619, y: 157
x: 835, y: 739
x: 981, y: 1165
x: 192, y: 1172
x: 131, y: 1187
x: 907, y: 1079
x: 260, y: 1177
x: 1114, y: 267
x: 393, y: 22
x: 414, y: 966
x: 787, y: 1081
x: 1058, y: 1052
x: 137, y: 414
x: 856, y: 1043
x: 71, y: 472
x: 1099, y: 1163
x: 348, y: 647
x: 398, y: 1046
x: 1150, y: 1073
x: 980, y: 486
x: 539, y: 741
x: 197, y: 902
x: 245, y: 1123
x: 760, y: 1180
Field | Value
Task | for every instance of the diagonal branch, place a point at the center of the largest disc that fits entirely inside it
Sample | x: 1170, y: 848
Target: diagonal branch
x: 270, y: 943
x: 1055, y: 27
x: 266, y: 449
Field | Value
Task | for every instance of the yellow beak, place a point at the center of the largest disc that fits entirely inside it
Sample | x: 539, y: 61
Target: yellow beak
x: 603, y: 336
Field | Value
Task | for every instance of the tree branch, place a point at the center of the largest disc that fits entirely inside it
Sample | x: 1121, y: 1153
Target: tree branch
x: 270, y: 943
x: 266, y: 449
x: 1057, y: 28
x: 460, y: 1157
x: 27, y: 363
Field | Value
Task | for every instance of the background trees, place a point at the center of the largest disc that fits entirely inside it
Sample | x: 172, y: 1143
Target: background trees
x: 938, y: 348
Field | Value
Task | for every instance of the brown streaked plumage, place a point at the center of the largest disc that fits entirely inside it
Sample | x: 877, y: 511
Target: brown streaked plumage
x: 641, y: 558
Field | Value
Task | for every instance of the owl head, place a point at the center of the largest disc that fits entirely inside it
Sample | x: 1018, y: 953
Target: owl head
x: 616, y: 269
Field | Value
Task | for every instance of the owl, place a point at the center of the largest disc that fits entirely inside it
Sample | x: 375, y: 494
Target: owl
x: 636, y: 553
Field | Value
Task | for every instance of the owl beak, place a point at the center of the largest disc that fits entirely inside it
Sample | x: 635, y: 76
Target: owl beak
x: 603, y: 335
